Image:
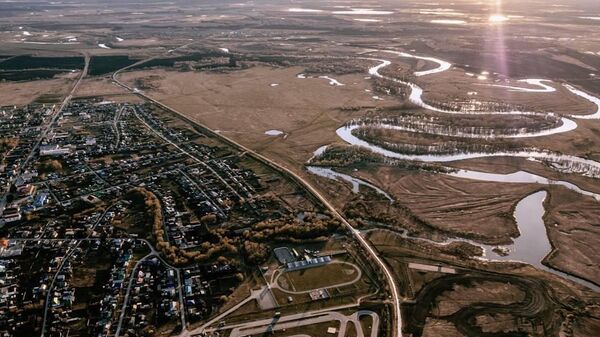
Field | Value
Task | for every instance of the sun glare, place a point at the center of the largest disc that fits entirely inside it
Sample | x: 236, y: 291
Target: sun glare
x: 497, y: 18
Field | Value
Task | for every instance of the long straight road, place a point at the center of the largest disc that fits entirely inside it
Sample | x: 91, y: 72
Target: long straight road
x: 55, y: 114
x: 370, y: 250
x: 58, y: 110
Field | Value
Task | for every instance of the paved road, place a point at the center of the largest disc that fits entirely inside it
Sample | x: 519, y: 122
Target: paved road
x: 181, y: 303
x: 374, y: 325
x: 303, y: 319
x: 153, y: 253
x: 207, y: 326
x: 115, y: 125
x: 199, y: 188
x: 254, y: 295
x: 392, y: 285
x: 58, y: 110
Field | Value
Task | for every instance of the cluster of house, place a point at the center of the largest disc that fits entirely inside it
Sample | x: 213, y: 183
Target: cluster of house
x: 153, y: 296
x: 82, y: 127
x: 9, y: 289
x: 83, y: 133
x: 114, y: 288
x: 19, y: 130
x: 93, y: 154
x: 25, y: 198
x: 202, y: 195
x: 61, y: 308
x: 29, y: 283
x: 203, y: 287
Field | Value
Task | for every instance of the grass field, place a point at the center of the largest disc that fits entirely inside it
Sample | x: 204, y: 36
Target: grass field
x: 325, y: 276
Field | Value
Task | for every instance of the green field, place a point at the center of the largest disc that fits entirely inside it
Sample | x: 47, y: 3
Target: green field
x: 325, y: 276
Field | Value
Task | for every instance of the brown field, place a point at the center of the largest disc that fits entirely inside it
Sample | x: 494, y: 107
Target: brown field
x: 538, y: 41
x: 489, y: 292
x: 22, y: 93
x: 587, y: 326
x: 437, y: 327
x: 242, y: 105
x: 496, y: 322
x: 480, y: 210
x: 85, y: 277
x: 572, y: 224
x: 584, y: 141
x: 105, y: 88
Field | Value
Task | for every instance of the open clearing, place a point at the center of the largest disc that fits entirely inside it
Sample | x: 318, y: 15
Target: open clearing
x: 243, y: 105
x: 22, y: 93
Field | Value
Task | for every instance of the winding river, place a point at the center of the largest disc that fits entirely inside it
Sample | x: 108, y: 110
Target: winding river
x: 532, y: 245
x: 590, y: 98
x: 416, y: 97
x: 345, y: 132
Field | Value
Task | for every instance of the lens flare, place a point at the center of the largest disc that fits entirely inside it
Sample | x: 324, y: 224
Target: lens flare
x: 495, y: 39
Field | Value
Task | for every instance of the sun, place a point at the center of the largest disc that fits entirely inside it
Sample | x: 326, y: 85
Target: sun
x: 497, y: 18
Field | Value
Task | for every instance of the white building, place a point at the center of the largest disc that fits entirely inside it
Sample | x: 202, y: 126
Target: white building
x: 53, y: 150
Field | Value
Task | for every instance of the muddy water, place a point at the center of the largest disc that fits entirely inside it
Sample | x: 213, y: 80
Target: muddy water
x: 532, y: 244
